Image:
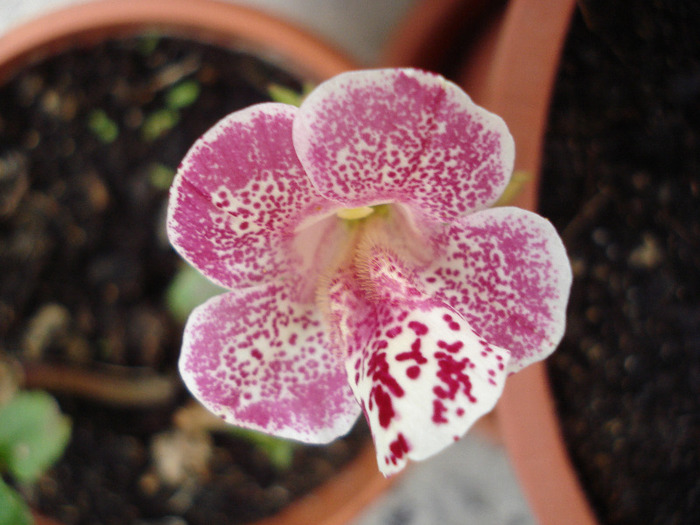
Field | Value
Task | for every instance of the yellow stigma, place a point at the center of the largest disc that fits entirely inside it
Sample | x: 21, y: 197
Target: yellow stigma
x: 352, y: 214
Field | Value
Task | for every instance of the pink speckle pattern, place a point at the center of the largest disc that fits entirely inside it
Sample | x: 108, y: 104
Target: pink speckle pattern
x: 506, y: 271
x: 403, y: 135
x: 260, y: 360
x: 238, y: 196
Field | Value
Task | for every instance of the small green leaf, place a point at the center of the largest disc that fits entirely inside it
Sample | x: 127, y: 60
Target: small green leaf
x: 515, y: 186
x: 286, y: 95
x: 160, y: 176
x: 279, y: 451
x: 102, y: 126
x: 187, y: 290
x: 148, y: 43
x: 13, y: 510
x: 33, y: 434
x: 158, y: 123
x: 182, y: 95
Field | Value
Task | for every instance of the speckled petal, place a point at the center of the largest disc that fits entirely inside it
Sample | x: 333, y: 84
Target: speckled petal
x: 261, y: 361
x: 402, y: 135
x: 506, y: 271
x: 238, y: 196
x: 423, y: 380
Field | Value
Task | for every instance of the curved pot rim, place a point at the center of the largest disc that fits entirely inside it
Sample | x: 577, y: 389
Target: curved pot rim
x: 510, y: 68
x: 339, y: 499
x: 515, y: 78
x: 219, y: 21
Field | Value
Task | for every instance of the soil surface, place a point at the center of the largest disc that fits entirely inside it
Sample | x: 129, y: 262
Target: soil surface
x: 89, y: 142
x: 622, y: 182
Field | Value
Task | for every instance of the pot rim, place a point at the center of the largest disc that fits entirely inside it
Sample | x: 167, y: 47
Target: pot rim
x: 221, y: 23
x: 515, y: 78
x: 513, y: 50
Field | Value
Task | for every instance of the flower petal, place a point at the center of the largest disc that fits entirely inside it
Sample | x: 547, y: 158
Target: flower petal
x: 238, y: 196
x: 425, y: 378
x: 421, y: 374
x: 506, y: 271
x: 402, y: 135
x: 261, y: 361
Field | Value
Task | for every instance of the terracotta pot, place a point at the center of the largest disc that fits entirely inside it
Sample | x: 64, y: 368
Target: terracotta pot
x: 426, y: 35
x: 340, y: 499
x: 509, y: 64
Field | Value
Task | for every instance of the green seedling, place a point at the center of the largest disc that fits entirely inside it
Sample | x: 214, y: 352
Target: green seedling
x: 286, y: 95
x: 103, y: 127
x: 158, y: 122
x: 160, y: 176
x: 182, y: 95
x: 33, y: 435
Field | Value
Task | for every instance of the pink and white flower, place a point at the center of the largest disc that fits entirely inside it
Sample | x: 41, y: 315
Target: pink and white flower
x: 366, y: 272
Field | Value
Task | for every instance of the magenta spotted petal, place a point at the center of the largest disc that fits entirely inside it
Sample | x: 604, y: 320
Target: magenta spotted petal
x: 261, y: 361
x: 423, y: 381
x: 406, y: 136
x: 238, y: 197
x: 506, y: 271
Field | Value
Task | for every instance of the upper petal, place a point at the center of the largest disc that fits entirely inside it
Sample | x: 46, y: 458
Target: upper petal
x: 238, y: 195
x: 402, y: 135
x: 261, y: 361
x: 506, y: 271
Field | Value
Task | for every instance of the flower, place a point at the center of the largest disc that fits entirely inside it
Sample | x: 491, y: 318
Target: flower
x: 366, y: 272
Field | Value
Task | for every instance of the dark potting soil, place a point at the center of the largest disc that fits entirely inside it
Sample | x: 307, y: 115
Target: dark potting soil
x: 622, y: 182
x: 89, y: 142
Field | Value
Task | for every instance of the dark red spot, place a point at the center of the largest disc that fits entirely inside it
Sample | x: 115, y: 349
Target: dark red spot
x: 452, y: 375
x: 384, y: 406
x: 439, y: 412
x: 399, y: 447
x: 453, y: 348
x: 393, y: 332
x: 460, y: 412
x: 418, y: 328
x: 257, y: 354
x: 414, y: 354
x: 381, y: 345
x: 413, y: 372
x: 378, y: 370
x: 244, y: 225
